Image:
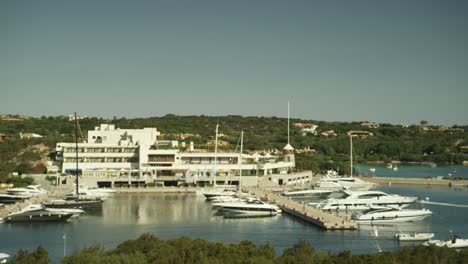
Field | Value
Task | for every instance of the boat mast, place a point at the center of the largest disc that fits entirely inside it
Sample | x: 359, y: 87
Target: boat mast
x: 288, y: 122
x: 215, y: 156
x: 351, y: 153
x: 240, y: 162
x: 76, y: 152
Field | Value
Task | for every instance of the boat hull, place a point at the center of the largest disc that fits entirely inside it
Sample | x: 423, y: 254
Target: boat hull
x: 37, y: 217
x: 414, y: 237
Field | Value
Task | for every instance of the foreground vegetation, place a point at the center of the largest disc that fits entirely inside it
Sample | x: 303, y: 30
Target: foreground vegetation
x: 150, y: 249
x: 389, y: 142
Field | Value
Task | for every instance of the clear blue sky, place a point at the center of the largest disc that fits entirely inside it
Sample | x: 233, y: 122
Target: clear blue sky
x: 386, y: 61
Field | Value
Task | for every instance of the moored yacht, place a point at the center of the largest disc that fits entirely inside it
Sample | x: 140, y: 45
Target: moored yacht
x: 307, y: 193
x: 30, y: 190
x: 211, y: 194
x: 249, y: 207
x: 34, y: 213
x: 414, y: 236
x: 390, y: 215
x: 451, y: 242
x: 344, y: 183
x: 363, y: 200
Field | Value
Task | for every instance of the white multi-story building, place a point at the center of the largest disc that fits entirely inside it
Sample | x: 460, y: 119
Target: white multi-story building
x: 113, y: 156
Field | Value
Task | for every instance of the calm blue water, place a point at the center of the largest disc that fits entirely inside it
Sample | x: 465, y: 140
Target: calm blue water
x: 175, y: 215
x: 412, y: 171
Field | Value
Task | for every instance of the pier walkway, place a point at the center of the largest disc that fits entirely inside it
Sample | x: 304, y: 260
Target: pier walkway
x: 303, y: 211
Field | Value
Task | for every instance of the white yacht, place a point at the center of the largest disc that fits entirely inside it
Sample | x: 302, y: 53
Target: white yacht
x: 91, y: 193
x: 4, y: 257
x: 36, y: 213
x: 451, y: 242
x: 75, y: 212
x: 30, y: 190
x: 363, y: 200
x: 414, y: 236
x: 307, y: 193
x: 343, y: 183
x: 390, y: 215
x: 249, y: 207
x: 211, y: 194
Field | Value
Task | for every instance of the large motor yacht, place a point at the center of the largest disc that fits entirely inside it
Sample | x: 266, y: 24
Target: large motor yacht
x: 363, y: 200
x: 211, y: 194
x: 336, y: 183
x: 249, y: 207
x: 390, y: 215
x: 35, y: 213
x: 30, y: 190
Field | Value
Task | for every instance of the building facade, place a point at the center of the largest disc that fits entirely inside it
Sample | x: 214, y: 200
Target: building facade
x: 113, y: 156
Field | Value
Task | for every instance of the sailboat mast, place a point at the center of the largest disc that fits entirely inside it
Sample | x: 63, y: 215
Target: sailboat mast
x: 240, y: 161
x: 76, y: 152
x: 351, y: 154
x: 215, y: 156
x: 288, y: 122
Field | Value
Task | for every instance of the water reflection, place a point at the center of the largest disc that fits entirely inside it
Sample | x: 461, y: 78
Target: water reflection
x: 145, y: 209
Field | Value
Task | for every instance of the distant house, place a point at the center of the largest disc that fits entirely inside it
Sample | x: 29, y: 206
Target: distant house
x: 307, y: 150
x: 187, y: 135
x: 330, y: 133
x: 3, y: 137
x: 72, y: 117
x: 360, y: 133
x: 310, y: 130
x: 220, y: 142
x: 29, y: 135
x: 370, y: 124
x: 302, y: 125
x: 464, y: 149
x: 404, y: 125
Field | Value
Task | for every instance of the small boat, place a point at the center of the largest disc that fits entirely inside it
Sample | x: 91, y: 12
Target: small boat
x: 34, y: 213
x: 4, y: 257
x: 451, y: 242
x: 414, y: 236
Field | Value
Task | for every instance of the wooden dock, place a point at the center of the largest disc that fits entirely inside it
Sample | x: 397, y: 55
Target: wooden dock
x: 307, y: 213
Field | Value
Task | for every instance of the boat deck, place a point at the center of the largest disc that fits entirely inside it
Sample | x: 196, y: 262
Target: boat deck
x: 307, y: 213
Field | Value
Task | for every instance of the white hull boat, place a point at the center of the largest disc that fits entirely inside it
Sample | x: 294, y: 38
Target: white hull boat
x: 414, y: 236
x: 250, y: 207
x: 211, y: 194
x: 307, y: 193
x: 30, y: 190
x: 454, y: 242
x: 391, y: 215
x: 363, y: 200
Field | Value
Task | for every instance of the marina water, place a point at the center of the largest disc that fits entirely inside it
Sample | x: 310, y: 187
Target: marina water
x: 413, y: 171
x: 127, y: 216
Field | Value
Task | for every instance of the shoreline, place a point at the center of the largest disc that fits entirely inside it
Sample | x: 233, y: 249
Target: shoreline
x: 416, y: 181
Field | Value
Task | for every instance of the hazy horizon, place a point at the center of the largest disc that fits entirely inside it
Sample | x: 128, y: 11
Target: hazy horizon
x: 381, y: 61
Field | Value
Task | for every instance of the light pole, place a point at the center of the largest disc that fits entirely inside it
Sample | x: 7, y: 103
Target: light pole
x: 64, y: 245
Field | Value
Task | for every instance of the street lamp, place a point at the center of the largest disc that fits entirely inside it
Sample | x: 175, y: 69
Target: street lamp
x: 64, y: 245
